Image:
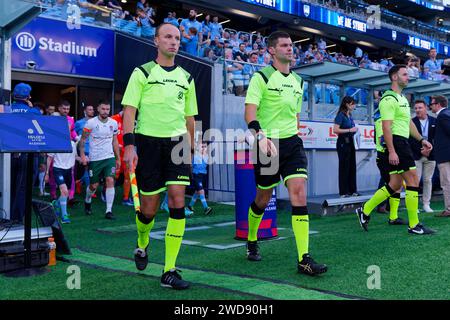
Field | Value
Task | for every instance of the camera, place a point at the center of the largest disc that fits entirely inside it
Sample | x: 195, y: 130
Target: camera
x: 30, y: 64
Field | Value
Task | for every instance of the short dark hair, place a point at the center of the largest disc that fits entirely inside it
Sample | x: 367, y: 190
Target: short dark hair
x: 440, y: 100
x: 103, y: 101
x: 63, y: 103
x: 395, y: 69
x: 160, y: 26
x: 253, y: 54
x: 420, y: 101
x: 274, y: 36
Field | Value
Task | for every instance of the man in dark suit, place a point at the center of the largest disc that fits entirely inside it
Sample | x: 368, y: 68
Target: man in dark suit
x: 424, y: 159
x: 442, y: 147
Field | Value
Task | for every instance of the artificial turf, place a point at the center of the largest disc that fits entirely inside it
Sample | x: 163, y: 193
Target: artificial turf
x: 412, y: 267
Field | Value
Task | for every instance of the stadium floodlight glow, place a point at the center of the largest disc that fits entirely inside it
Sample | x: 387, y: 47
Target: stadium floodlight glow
x: 199, y: 15
x: 124, y: 1
x: 331, y: 45
x: 226, y: 21
x: 311, y: 30
x: 302, y: 40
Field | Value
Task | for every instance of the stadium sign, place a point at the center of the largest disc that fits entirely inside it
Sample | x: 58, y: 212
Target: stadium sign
x: 320, y: 135
x: 47, y: 45
x: 333, y: 18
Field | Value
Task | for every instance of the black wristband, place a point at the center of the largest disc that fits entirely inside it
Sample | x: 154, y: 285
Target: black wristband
x: 420, y: 141
x: 254, y: 125
x: 128, y: 139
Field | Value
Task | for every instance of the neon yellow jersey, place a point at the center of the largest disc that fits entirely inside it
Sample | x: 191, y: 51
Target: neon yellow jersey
x: 164, y: 97
x: 395, y: 107
x: 278, y: 98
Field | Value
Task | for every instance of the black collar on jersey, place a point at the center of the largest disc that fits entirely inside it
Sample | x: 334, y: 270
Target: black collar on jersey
x: 168, y: 69
x: 284, y: 74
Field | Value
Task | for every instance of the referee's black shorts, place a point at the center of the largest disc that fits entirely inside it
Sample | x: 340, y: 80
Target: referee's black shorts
x: 291, y: 162
x: 157, y: 167
x: 405, y: 155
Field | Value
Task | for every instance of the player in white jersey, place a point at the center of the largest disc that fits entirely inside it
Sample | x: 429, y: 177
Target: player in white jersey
x: 104, y: 157
x: 62, y: 171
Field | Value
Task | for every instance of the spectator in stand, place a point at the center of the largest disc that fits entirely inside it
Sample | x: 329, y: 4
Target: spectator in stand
x: 151, y: 14
x: 142, y: 18
x: 234, y: 41
x: 433, y: 67
x: 218, y: 47
x: 322, y: 45
x: 209, y: 54
x: 206, y: 27
x: 234, y: 73
x: 113, y: 4
x: 261, y: 54
x: 191, y: 44
x: 358, y: 53
x: 172, y: 18
x: 259, y: 41
x: 413, y: 72
x: 215, y: 28
x: 190, y: 22
x: 249, y: 69
x: 141, y: 5
x: 241, y: 55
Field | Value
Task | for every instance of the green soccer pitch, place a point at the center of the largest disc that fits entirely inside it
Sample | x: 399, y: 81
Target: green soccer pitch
x: 410, y: 267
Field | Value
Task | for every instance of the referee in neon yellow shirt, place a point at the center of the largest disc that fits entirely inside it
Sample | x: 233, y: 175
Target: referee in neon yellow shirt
x: 164, y: 94
x: 272, y: 112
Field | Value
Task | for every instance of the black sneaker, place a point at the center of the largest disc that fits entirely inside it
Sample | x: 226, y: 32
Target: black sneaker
x: 253, y: 251
x: 208, y: 211
x: 362, y: 218
x: 110, y: 216
x: 171, y: 279
x: 87, y: 208
x: 397, y: 222
x: 421, y: 230
x: 141, y: 258
x: 310, y: 267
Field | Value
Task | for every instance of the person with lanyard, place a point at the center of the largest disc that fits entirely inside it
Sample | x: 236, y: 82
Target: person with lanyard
x: 164, y: 94
x: 397, y: 128
x: 345, y: 128
x: 424, y: 159
x: 272, y: 112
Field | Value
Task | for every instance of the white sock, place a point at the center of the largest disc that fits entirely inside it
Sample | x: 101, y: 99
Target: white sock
x: 110, y: 192
x: 42, y: 182
x: 89, y: 194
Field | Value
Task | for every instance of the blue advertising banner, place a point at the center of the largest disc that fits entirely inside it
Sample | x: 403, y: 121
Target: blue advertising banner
x: 336, y: 19
x: 50, y: 46
x: 24, y: 132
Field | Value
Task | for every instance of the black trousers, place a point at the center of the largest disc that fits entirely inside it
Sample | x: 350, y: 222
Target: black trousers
x: 347, y: 166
